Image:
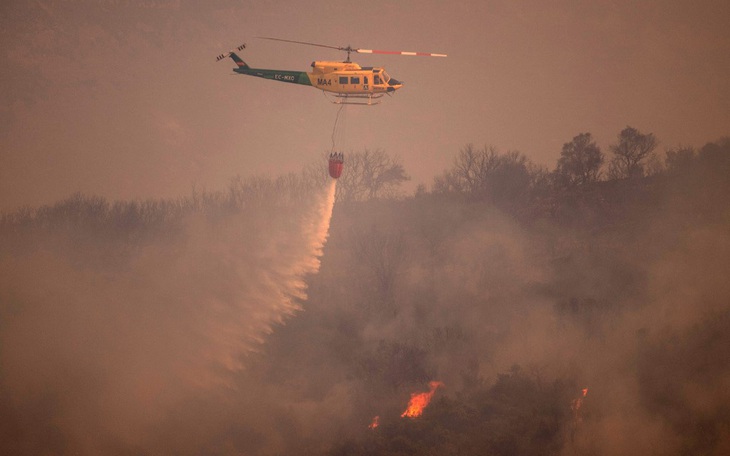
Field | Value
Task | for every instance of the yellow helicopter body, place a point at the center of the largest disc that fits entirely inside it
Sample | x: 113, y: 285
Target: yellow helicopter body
x: 347, y: 80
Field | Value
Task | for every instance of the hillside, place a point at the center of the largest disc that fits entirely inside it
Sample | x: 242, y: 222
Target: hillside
x: 180, y: 327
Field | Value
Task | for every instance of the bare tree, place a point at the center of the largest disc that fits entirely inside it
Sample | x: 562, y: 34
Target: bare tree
x: 580, y: 161
x: 487, y: 175
x: 369, y: 175
x: 630, y: 153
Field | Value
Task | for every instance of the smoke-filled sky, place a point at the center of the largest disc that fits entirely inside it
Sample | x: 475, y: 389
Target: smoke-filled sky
x: 124, y: 99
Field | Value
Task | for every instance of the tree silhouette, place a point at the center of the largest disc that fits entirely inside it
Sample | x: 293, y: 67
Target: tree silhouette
x: 370, y: 174
x: 580, y: 161
x: 679, y: 159
x: 485, y: 174
x: 630, y: 152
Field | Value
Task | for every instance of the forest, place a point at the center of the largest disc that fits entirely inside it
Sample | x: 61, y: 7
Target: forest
x: 583, y: 310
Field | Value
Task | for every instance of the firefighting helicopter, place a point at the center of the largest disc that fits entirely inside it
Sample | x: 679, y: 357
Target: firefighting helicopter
x: 349, y: 82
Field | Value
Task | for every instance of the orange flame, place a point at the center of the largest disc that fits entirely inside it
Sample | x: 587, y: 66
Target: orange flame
x: 375, y: 423
x: 579, y: 401
x: 420, y: 401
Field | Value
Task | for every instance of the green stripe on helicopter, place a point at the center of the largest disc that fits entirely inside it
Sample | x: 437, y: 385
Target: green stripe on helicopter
x: 294, y: 77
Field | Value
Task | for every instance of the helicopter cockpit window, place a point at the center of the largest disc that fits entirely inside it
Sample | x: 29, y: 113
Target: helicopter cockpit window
x: 343, y: 80
x: 376, y: 79
x: 354, y: 80
x: 386, y: 78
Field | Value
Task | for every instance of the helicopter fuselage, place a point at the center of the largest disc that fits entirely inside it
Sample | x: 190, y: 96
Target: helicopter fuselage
x: 351, y: 78
x: 345, y: 78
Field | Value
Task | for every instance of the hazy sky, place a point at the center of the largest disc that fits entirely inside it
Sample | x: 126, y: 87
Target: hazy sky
x: 124, y: 99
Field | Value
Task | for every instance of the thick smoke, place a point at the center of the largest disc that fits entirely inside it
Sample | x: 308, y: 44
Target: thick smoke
x: 630, y: 300
x: 158, y: 347
x: 102, y: 341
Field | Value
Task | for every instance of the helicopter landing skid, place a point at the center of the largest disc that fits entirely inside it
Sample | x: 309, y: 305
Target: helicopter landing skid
x: 343, y: 98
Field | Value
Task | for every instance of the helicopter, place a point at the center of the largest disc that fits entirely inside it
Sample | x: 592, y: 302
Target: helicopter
x: 349, y: 82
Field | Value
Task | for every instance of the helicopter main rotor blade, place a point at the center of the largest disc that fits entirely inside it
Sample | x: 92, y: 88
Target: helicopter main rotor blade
x: 303, y: 42
x: 349, y: 49
x: 375, y: 51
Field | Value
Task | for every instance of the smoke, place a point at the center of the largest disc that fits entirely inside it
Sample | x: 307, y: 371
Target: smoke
x: 158, y: 348
x: 634, y: 308
x: 102, y: 342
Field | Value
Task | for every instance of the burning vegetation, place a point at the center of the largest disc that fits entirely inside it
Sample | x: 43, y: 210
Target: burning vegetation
x: 176, y: 327
x: 375, y: 423
x: 419, y: 401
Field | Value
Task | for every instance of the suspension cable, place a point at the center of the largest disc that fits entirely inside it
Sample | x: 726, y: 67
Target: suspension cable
x: 334, y: 129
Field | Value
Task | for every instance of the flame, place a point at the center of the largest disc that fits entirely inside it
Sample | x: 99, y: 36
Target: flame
x: 577, y: 419
x: 576, y: 404
x: 375, y: 423
x: 420, y: 401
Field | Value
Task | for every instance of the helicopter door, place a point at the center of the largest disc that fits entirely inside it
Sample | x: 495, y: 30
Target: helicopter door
x: 365, y: 83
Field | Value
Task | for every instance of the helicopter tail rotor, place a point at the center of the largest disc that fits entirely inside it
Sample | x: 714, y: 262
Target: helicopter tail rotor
x: 232, y: 54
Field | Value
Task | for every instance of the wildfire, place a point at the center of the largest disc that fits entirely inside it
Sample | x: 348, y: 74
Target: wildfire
x: 575, y: 406
x: 375, y: 423
x: 420, y: 401
x: 577, y: 419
